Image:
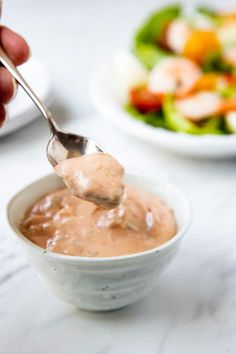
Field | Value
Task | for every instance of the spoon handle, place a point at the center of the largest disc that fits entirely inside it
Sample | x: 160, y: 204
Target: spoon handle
x: 8, y: 64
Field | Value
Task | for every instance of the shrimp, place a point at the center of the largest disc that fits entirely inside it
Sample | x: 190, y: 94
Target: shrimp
x: 204, y: 104
x: 174, y: 75
x: 199, y: 106
x: 227, y: 36
x: 177, y: 34
x: 229, y: 55
x: 228, y: 105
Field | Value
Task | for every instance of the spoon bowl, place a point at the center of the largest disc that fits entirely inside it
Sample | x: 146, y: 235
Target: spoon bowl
x: 63, y: 145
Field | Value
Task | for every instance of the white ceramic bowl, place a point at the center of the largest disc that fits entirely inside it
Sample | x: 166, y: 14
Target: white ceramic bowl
x: 109, y: 104
x: 100, y: 284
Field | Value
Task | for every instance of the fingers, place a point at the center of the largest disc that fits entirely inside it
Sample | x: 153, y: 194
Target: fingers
x: 7, y: 86
x: 2, y: 115
x: 14, y: 45
x: 18, y: 50
x: 7, y: 91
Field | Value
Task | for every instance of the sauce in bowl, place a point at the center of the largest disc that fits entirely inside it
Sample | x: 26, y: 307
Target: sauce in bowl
x: 63, y: 223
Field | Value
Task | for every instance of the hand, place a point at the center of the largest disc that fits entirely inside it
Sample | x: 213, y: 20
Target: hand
x: 18, y: 51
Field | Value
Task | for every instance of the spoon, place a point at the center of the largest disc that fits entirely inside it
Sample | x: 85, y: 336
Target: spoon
x: 62, y: 144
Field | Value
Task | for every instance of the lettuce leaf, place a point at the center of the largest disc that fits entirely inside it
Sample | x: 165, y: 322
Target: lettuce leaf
x: 207, y: 11
x: 227, y: 92
x: 152, y: 29
x: 155, y: 119
x: 211, y: 14
x: 149, y: 54
x: 215, y: 63
x: 175, y: 121
x: 145, y: 45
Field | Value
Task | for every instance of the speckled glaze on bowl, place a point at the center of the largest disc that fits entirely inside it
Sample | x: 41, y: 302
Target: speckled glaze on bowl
x: 100, y: 284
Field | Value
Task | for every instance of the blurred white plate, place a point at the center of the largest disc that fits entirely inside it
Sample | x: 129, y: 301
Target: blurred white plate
x: 21, y: 110
x: 109, y: 105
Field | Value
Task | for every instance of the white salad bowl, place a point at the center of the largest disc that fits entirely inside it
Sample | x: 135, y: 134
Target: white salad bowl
x: 108, y: 98
x: 100, y: 284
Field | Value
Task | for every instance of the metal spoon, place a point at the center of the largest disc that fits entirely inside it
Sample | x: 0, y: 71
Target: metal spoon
x: 62, y: 145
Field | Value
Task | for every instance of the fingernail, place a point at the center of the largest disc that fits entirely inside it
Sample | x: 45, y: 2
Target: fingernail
x: 2, y: 122
x: 15, y: 88
x: 29, y: 54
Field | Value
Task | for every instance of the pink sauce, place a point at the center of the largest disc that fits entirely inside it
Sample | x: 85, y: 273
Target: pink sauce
x: 62, y: 223
x: 95, y: 177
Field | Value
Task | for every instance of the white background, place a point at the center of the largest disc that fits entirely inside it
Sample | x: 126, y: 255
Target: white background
x: 193, y: 308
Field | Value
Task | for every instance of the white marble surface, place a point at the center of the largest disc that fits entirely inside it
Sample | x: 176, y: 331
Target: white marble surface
x: 193, y: 308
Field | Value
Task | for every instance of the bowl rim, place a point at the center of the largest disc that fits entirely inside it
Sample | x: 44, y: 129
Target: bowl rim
x: 180, y: 233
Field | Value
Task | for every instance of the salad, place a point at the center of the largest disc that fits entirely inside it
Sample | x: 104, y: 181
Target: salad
x: 185, y: 71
